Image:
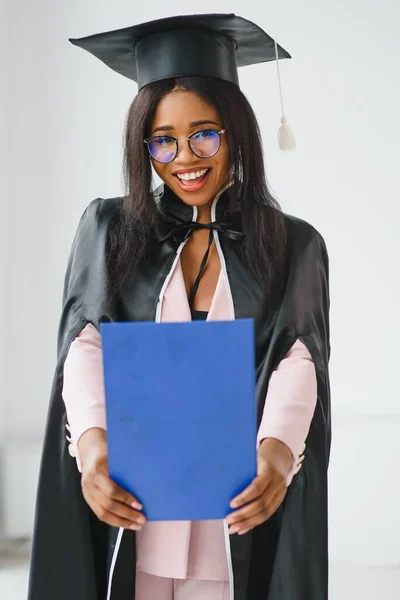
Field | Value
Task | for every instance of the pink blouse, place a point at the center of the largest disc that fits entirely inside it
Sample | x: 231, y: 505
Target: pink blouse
x: 199, y: 546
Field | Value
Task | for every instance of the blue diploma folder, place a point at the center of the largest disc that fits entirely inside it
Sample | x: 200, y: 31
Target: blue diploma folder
x: 181, y: 422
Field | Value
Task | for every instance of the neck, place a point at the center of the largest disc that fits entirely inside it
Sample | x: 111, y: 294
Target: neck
x: 204, y: 213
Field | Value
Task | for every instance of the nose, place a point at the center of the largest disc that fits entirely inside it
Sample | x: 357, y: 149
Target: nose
x: 185, y: 155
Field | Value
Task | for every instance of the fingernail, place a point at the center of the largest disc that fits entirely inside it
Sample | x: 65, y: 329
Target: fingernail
x: 141, y: 520
x: 234, y: 504
x: 243, y: 531
x: 135, y: 527
x: 136, y: 505
x: 234, y: 529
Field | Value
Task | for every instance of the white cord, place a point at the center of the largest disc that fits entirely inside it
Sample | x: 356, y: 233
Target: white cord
x: 285, y: 134
x: 279, y: 76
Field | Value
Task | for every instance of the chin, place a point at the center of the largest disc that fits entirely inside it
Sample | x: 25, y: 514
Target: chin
x: 193, y: 199
x: 201, y: 197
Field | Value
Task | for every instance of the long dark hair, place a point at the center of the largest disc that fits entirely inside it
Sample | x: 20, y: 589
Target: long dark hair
x: 132, y: 235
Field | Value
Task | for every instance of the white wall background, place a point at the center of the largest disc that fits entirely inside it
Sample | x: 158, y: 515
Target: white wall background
x: 61, y: 147
x: 3, y: 171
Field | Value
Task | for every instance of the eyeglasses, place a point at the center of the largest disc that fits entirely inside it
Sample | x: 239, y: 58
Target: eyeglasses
x: 203, y: 144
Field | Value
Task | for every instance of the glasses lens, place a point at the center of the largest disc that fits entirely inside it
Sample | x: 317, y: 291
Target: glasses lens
x: 162, y: 148
x: 205, y: 143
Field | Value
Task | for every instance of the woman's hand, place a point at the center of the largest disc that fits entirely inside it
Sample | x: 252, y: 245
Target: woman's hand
x: 110, y: 503
x: 259, y: 501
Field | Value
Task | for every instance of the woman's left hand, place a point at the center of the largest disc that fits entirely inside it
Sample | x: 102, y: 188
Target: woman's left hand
x: 259, y: 501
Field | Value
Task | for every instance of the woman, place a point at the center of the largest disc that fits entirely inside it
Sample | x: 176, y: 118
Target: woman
x: 210, y: 243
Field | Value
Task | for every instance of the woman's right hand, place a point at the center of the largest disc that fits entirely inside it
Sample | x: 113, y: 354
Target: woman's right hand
x: 110, y: 503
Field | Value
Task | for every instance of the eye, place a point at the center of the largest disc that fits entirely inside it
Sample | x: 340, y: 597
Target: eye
x: 205, y: 134
x: 163, y: 139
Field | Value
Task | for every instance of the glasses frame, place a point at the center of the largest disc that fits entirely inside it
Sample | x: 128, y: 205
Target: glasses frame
x: 176, y: 140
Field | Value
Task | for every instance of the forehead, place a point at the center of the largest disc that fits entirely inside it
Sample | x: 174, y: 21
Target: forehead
x: 181, y: 107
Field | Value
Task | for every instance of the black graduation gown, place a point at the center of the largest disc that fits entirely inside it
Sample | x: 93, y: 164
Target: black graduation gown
x: 286, y: 558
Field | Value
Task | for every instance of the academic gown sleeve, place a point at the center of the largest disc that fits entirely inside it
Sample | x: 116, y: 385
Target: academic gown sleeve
x: 70, y: 547
x: 300, y: 559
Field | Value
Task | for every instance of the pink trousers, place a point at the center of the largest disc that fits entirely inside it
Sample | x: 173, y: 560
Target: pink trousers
x: 151, y: 587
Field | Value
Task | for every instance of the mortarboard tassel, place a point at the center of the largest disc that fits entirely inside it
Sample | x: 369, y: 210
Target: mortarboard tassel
x: 286, y: 137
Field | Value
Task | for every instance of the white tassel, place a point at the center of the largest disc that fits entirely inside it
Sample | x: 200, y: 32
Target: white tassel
x: 286, y: 137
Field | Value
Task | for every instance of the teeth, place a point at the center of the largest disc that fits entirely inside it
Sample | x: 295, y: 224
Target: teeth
x: 193, y: 175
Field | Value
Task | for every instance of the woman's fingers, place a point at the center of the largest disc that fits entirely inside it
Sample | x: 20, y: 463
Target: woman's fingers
x: 118, y: 509
x: 256, y: 513
x: 113, y: 491
x: 245, y: 525
x: 109, y: 517
x: 112, y: 504
x: 252, y: 492
x: 259, y: 505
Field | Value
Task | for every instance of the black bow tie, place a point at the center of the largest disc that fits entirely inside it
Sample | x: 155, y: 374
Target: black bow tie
x: 183, y: 230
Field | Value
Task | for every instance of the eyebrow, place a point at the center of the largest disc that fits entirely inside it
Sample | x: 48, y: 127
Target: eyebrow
x: 192, y: 124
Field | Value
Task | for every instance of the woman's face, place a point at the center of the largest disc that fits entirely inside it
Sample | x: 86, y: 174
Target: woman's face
x: 179, y: 114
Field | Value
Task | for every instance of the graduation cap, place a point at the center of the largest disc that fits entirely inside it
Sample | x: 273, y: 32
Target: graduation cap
x: 207, y: 45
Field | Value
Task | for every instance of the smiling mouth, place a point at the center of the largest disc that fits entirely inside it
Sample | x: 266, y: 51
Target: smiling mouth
x: 192, y: 180
x: 192, y: 175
